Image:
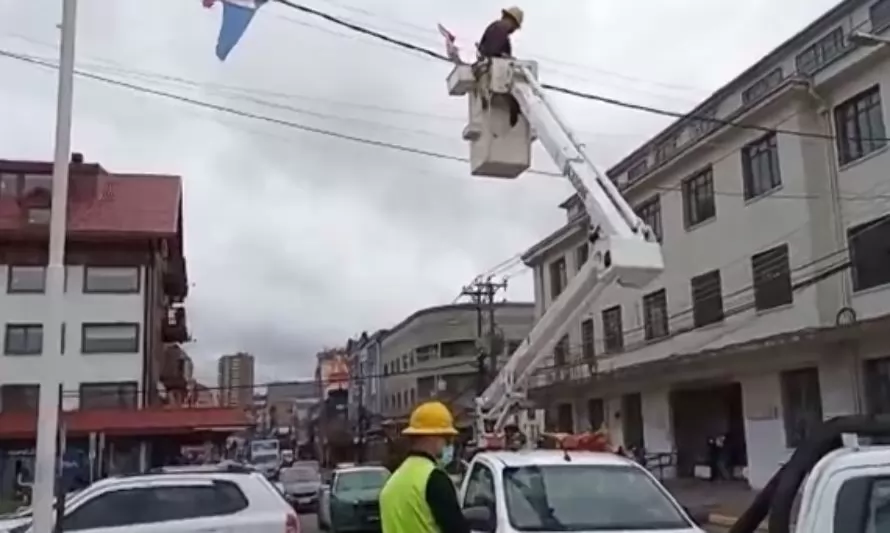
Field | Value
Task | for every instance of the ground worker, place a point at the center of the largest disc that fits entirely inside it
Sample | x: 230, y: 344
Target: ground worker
x: 495, y: 40
x: 419, y: 497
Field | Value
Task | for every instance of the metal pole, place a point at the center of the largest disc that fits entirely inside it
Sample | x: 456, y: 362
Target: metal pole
x: 48, y: 413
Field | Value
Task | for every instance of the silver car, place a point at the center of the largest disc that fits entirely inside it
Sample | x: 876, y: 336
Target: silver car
x: 301, y: 486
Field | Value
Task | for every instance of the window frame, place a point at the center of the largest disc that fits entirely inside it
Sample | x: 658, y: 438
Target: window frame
x: 582, y: 254
x: 699, y: 200
x: 855, y: 145
x: 656, y: 327
x: 759, y: 179
x: 763, y: 86
x: 94, y: 290
x: 588, y: 339
x: 650, y: 212
x: 613, y: 330
x: 821, y: 52
x: 137, y: 327
x: 701, y: 295
x: 11, y: 289
x: 771, y: 278
x: 31, y: 392
x: 27, y: 327
x: 123, y: 390
x: 559, y: 277
x: 865, y: 259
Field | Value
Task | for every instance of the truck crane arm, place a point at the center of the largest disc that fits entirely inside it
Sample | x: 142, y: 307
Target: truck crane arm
x: 624, y: 249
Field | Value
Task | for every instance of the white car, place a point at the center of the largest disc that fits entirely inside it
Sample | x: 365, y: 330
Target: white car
x: 538, y: 490
x: 179, y: 502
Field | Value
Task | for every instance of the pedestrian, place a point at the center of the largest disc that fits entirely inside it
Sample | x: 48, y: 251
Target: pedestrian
x: 419, y: 497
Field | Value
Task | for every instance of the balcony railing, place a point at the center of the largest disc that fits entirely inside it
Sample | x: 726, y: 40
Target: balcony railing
x: 176, y: 284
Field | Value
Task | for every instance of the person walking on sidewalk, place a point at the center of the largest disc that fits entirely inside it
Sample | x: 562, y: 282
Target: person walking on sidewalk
x: 419, y: 497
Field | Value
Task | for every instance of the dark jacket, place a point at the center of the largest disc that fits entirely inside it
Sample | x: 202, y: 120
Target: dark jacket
x: 495, y: 41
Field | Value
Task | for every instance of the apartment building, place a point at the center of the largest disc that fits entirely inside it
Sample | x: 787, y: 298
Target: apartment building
x: 770, y: 200
x: 236, y: 379
x: 364, y: 366
x: 433, y: 354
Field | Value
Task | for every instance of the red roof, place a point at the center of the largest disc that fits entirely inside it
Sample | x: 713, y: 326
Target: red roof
x: 152, y: 421
x: 144, y: 204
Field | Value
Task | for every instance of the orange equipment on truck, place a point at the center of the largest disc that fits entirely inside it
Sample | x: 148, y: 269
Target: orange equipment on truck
x: 590, y: 441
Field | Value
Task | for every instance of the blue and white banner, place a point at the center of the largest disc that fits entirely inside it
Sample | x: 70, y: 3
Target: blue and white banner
x: 236, y: 17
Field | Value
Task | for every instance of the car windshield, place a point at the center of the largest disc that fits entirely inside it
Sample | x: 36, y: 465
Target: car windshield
x: 361, y: 480
x: 587, y: 498
x: 299, y: 475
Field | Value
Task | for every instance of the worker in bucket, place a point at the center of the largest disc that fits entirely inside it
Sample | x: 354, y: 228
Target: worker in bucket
x: 495, y: 40
x: 419, y: 497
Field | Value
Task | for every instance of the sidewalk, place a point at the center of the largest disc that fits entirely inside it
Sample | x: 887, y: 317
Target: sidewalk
x: 724, y: 501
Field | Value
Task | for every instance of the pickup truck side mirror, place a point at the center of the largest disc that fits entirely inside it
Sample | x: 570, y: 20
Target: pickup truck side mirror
x: 480, y: 518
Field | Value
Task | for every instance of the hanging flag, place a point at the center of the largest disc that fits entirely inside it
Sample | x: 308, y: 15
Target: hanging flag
x: 451, y: 49
x: 237, y: 15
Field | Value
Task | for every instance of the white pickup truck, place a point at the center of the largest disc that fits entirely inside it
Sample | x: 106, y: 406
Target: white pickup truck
x: 845, y: 489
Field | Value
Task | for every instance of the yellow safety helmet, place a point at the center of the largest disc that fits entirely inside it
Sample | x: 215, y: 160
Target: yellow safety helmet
x: 431, y: 418
x: 514, y: 13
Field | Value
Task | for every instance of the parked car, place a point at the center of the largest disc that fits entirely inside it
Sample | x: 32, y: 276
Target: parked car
x: 234, y: 500
x: 351, y: 501
x: 301, y: 486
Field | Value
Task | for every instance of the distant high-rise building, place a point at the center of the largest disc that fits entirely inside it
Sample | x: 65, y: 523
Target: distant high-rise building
x: 236, y: 379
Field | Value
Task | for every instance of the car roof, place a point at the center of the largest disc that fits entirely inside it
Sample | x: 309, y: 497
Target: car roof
x: 554, y: 457
x: 365, y: 468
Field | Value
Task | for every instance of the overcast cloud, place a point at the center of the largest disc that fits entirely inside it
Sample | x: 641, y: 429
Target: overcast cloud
x: 296, y: 241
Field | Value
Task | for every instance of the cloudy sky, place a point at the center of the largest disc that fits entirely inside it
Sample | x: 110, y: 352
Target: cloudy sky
x: 297, y: 240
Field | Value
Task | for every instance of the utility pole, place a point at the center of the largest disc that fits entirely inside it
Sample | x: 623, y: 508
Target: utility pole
x: 48, y: 409
x: 482, y: 292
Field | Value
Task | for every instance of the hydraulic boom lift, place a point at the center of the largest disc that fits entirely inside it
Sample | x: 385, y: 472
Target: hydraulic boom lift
x: 623, y: 248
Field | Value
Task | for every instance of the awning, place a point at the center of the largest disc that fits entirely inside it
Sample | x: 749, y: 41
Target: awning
x: 147, y: 422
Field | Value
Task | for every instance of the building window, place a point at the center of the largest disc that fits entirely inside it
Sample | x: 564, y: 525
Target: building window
x: 760, y: 166
x: 19, y: 397
x: 655, y: 315
x: 666, y: 149
x: 582, y: 253
x: 772, y: 278
x: 707, y: 299
x: 565, y: 419
x: 763, y: 86
x: 704, y: 122
x: 801, y: 404
x: 9, y: 185
x: 821, y: 52
x: 596, y: 413
x: 879, y: 14
x: 111, y: 279
x: 558, y: 277
x: 870, y: 253
x: 23, y: 339
x: 613, y: 330
x: 588, y: 351
x: 110, y: 338
x: 560, y: 352
x: 698, y: 198
x: 451, y: 349
x: 650, y: 212
x: 638, y: 170
x: 26, y: 279
x: 632, y: 421
x: 120, y: 395
x: 860, y: 125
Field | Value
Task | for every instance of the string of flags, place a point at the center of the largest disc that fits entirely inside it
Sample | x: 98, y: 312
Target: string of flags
x: 236, y: 17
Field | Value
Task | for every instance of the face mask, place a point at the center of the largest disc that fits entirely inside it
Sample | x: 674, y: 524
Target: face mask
x: 447, y: 454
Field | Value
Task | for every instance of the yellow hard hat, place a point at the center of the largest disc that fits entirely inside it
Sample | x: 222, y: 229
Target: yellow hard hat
x: 431, y: 418
x: 514, y: 13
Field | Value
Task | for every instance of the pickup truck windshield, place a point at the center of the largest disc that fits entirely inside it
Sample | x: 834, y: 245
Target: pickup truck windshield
x: 574, y: 497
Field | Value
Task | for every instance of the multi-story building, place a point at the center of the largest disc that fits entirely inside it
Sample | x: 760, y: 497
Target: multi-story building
x: 123, y: 314
x: 290, y: 402
x: 434, y: 352
x: 365, y: 368
x: 236, y: 379
x: 770, y: 202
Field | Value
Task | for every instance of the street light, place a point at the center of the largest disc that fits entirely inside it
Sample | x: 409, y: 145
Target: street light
x: 862, y: 38
x: 50, y: 395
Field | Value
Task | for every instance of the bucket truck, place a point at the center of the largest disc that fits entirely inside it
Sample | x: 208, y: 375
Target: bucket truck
x: 624, y: 249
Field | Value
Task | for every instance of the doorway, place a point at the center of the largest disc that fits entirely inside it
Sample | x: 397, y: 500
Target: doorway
x: 703, y: 413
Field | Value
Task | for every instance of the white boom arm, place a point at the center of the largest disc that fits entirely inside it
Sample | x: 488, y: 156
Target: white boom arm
x: 623, y: 247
